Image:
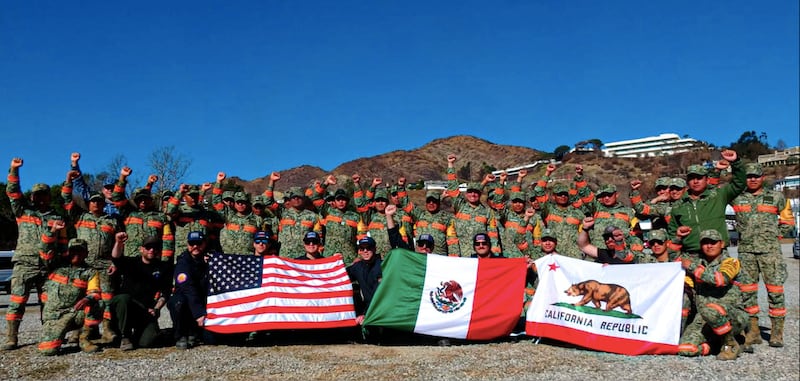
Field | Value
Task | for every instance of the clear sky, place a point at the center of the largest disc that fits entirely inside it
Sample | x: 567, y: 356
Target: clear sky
x: 248, y: 87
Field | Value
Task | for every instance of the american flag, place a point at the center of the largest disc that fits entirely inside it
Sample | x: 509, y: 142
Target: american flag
x: 251, y: 293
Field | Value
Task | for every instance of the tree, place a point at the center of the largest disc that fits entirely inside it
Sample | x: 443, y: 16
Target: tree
x: 597, y: 143
x: 780, y: 145
x: 750, y: 145
x: 170, y: 167
x: 465, y: 172
x: 560, y: 151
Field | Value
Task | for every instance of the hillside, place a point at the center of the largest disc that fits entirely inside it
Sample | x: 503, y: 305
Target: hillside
x: 429, y: 163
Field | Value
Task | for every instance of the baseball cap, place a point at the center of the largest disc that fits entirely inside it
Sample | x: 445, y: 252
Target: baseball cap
x: 241, y: 196
x: 166, y: 195
x: 434, y: 195
x: 425, y: 238
x: 152, y: 241
x: 311, y: 237
x: 227, y: 195
x: 294, y: 192
x: 94, y: 196
x: 261, y: 236
x: 40, y: 187
x: 366, y: 241
x: 195, y: 236
x: 658, y: 235
x: 517, y: 196
x: 710, y: 234
x: 677, y: 182
x: 662, y: 182
x: 141, y: 193
x: 78, y: 242
x: 109, y: 182
x: 259, y: 200
x: 696, y: 169
x: 194, y: 189
x: 475, y: 186
x: 340, y: 193
x: 559, y: 188
x: 549, y: 233
x: 381, y: 194
x: 607, y: 189
x: 609, y: 231
x: 480, y: 237
x: 753, y: 169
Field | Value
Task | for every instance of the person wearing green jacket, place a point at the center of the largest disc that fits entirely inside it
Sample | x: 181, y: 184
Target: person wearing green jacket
x: 703, y: 207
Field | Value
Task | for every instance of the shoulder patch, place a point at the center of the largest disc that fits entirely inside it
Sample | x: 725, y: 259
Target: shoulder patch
x: 181, y: 278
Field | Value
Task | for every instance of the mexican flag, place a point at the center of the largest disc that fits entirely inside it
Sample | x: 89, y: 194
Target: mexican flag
x: 462, y: 298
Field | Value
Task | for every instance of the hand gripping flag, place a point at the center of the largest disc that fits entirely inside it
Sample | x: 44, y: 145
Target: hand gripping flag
x: 463, y: 298
x: 627, y: 309
x: 250, y: 293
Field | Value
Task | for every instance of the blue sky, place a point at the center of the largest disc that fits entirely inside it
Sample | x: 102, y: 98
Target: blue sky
x: 248, y: 87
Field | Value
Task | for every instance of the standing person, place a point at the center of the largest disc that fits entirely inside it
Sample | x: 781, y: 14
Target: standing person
x: 294, y: 220
x: 374, y: 218
x: 720, y: 313
x: 38, y: 245
x: 98, y: 229
x: 703, y: 208
x: 762, y: 216
x: 236, y: 236
x: 367, y: 273
x: 192, y: 216
x: 338, y: 221
x: 141, y: 219
x: 82, y: 189
x: 608, y: 211
x: 146, y: 285
x: 432, y: 221
x: 187, y: 305
x: 472, y: 216
x: 73, y: 290
x: 657, y: 209
x: 560, y: 214
x: 425, y: 243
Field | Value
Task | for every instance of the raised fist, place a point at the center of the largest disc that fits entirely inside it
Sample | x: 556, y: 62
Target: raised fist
x: 331, y: 180
x: 75, y: 157
x: 391, y: 209
x: 274, y: 176
x: 152, y: 179
x: 125, y: 171
x: 356, y: 178
x: 16, y: 162
x: 377, y: 181
x: 588, y: 222
x: 636, y: 184
x: 683, y: 231
x: 220, y: 177
x: 451, y: 158
x: 729, y: 155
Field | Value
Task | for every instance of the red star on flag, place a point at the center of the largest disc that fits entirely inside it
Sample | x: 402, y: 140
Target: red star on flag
x: 553, y: 266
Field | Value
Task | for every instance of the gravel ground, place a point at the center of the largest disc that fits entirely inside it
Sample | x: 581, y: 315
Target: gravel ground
x: 495, y: 361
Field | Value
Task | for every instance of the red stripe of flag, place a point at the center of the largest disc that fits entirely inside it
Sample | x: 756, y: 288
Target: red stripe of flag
x: 262, y: 326
x: 285, y: 310
x: 283, y: 295
x: 495, y: 310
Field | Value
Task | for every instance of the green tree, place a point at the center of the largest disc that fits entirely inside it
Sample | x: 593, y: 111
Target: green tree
x: 750, y: 145
x: 465, y: 172
x: 560, y: 151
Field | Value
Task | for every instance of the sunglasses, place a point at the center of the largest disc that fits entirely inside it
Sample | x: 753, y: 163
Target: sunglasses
x: 480, y: 244
x: 364, y: 248
x: 311, y: 242
x: 424, y: 244
x: 194, y: 243
x: 656, y: 242
x: 150, y: 247
x: 264, y: 241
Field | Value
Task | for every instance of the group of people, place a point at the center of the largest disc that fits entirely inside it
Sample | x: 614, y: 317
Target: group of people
x: 108, y: 261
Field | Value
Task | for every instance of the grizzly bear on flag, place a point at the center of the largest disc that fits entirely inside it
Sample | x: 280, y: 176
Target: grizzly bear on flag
x: 613, y: 295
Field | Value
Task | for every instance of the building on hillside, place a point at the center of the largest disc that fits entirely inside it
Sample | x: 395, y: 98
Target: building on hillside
x: 788, y: 182
x: 780, y: 157
x: 515, y: 170
x: 661, y: 145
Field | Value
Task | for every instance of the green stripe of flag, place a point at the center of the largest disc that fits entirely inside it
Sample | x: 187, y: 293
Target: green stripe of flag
x: 397, y: 306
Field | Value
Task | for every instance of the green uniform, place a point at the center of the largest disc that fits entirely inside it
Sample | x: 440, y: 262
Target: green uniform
x: 236, y: 235
x: 193, y: 218
x: 293, y: 224
x: 471, y: 219
x: 707, y: 211
x: 64, y: 287
x: 140, y: 224
x: 339, y: 228
x: 718, y: 301
x: 37, y: 249
x: 759, y: 225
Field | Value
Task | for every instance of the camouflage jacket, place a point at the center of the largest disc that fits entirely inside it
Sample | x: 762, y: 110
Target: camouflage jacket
x: 761, y: 219
x: 65, y: 286
x: 141, y: 224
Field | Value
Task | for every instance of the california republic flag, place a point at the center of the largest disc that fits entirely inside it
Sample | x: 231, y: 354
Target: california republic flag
x: 627, y: 309
x: 463, y: 298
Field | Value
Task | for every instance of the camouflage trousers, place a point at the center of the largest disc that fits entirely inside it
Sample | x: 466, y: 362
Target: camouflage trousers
x: 23, y: 280
x: 54, y: 331
x: 106, y: 293
x: 773, y: 272
x: 712, y: 320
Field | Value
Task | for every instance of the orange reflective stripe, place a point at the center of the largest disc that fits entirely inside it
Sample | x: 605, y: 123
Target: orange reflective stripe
x: 250, y: 229
x: 522, y: 246
x: 49, y: 345
x: 622, y: 216
x: 777, y: 312
x: 86, y: 224
x: 332, y: 218
x: 307, y: 224
x: 750, y: 287
x: 553, y: 218
x: 438, y: 226
x: 47, y: 239
x: 376, y: 226
x: 421, y: 224
x: 133, y: 221
x: 599, y: 215
x: 29, y: 220
x: 684, y: 312
x: 287, y: 221
x: 773, y: 288
x: 233, y: 227
x: 463, y: 216
x: 698, y: 272
x: 705, y: 349
x: 767, y: 209
x: 723, y: 329
x: 43, y: 297
x: 18, y: 299
x: 106, y: 295
x: 58, y: 278
x: 351, y: 223
x: 107, y: 228
x: 636, y: 199
x: 80, y: 283
x: 688, y: 347
x: 752, y: 310
x: 573, y: 221
x: 155, y: 224
x: 46, y: 255
x: 481, y: 219
x: 718, y: 308
x: 741, y: 208
x: 646, y: 210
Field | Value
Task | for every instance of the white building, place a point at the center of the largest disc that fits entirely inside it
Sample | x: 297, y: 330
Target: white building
x: 661, y: 145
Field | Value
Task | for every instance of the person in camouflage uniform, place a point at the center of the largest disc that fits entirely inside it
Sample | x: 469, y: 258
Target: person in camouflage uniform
x: 192, y: 216
x: 338, y: 222
x: 718, y: 299
x: 521, y: 227
x: 560, y: 214
x: 35, y: 254
x: 608, y: 211
x: 374, y: 219
x: 236, y: 236
x: 432, y: 220
x: 269, y: 223
x: 294, y: 220
x: 141, y: 219
x: 762, y: 216
x: 661, y: 253
x: 619, y: 247
x: 472, y: 216
x: 72, y: 290
x: 98, y: 230
x: 703, y: 207
x: 657, y: 209
x: 399, y: 196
